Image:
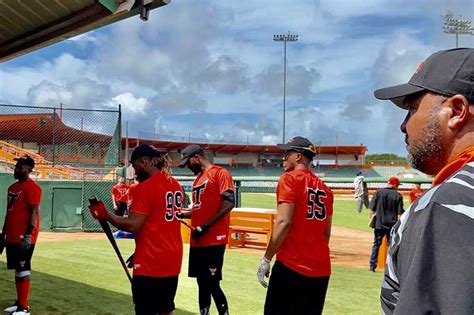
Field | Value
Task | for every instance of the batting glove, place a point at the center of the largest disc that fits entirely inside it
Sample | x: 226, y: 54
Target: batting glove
x: 263, y: 271
x: 26, y: 242
x: 200, y: 230
x: 98, y: 211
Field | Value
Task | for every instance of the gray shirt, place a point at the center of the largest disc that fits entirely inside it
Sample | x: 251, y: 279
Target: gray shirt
x: 430, y: 266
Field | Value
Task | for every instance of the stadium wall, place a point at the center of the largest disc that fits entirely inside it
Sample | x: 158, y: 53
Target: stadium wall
x: 65, y: 203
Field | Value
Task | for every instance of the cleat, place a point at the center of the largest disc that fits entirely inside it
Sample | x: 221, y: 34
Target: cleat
x: 21, y: 311
x: 12, y: 308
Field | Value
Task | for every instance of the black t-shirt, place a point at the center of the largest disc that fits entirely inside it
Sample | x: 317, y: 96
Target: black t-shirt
x: 387, y: 203
x: 431, y: 257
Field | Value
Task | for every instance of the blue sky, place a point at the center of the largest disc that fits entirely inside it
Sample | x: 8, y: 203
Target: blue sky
x: 211, y: 68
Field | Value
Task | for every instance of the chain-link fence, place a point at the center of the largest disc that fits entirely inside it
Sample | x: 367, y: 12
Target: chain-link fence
x: 76, y: 151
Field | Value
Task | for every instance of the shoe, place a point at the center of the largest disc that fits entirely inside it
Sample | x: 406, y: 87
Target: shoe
x: 21, y: 311
x: 372, y: 269
x: 12, y: 308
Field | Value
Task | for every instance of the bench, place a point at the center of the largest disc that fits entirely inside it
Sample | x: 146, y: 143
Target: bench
x: 243, y: 223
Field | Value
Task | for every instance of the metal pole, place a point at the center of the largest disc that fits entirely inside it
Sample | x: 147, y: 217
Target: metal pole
x: 284, y: 96
x: 457, y: 40
x: 126, y: 145
x: 119, y: 140
x: 54, y: 136
x: 285, y: 38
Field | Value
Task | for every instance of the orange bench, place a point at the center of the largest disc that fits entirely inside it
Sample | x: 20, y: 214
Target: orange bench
x: 245, y: 222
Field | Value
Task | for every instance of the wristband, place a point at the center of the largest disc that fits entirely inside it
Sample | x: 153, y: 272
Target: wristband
x: 266, y: 259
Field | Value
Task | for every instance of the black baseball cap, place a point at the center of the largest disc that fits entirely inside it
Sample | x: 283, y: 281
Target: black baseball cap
x: 25, y: 160
x: 145, y: 150
x: 446, y: 72
x: 188, y: 152
x: 299, y: 144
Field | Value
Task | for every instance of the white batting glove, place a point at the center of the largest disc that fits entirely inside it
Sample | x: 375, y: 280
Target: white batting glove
x: 263, y: 271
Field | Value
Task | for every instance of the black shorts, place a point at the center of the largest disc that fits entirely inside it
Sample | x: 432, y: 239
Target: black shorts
x: 290, y: 292
x: 152, y: 295
x: 19, y: 259
x: 121, y: 208
x: 206, y: 262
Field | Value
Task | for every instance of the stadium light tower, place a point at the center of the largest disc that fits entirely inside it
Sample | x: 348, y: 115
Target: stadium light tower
x: 285, y: 38
x: 456, y: 26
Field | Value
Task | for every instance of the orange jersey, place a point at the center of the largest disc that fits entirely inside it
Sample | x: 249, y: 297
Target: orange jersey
x: 130, y: 190
x: 415, y: 193
x: 120, y: 192
x: 21, y: 196
x: 159, y: 248
x: 305, y: 249
x: 207, y: 190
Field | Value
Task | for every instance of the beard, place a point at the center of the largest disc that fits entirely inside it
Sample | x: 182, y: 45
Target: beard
x: 428, y: 152
x: 142, y: 176
x: 196, y: 169
x: 19, y: 176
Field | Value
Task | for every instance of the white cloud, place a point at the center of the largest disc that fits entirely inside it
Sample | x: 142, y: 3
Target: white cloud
x: 132, y: 105
x: 215, y: 66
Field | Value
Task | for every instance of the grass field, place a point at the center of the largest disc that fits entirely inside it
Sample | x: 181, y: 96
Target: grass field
x: 344, y: 210
x: 84, y: 277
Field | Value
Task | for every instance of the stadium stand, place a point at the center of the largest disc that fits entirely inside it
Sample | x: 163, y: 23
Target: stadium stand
x: 401, y: 171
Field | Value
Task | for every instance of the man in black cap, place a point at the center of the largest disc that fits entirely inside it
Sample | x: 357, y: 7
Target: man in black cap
x: 300, y: 237
x: 20, y: 230
x: 213, y: 199
x: 429, y: 267
x: 157, y: 201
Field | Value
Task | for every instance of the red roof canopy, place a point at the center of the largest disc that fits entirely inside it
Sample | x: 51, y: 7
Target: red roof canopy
x: 39, y: 128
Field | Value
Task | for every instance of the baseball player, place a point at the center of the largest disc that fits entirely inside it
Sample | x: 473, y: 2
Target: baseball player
x: 20, y: 230
x: 300, y: 237
x: 120, y: 197
x: 213, y: 199
x: 157, y: 200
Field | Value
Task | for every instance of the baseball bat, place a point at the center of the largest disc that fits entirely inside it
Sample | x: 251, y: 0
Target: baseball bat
x: 192, y: 228
x: 108, y: 232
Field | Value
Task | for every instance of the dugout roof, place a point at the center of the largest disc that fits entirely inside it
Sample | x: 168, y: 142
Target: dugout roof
x: 238, y: 148
x: 39, y: 128
x: 26, y: 26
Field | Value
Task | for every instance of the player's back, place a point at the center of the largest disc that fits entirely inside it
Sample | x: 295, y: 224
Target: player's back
x: 305, y: 248
x: 159, y: 198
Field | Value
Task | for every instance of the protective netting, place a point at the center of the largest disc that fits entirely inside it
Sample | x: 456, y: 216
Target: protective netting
x: 76, y: 152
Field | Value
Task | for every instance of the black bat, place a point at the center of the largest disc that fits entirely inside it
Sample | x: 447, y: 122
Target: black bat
x: 105, y: 226
x: 192, y: 228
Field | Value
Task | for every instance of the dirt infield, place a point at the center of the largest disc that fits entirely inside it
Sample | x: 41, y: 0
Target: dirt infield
x: 349, y: 247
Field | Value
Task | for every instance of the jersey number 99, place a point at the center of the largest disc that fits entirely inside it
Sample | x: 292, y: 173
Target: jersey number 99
x: 174, y: 202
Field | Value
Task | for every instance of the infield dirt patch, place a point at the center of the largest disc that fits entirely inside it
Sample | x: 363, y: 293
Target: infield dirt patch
x: 349, y: 247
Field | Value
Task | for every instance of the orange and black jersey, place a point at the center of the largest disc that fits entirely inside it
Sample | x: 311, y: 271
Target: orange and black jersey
x: 159, y: 248
x: 305, y: 248
x: 21, y: 196
x: 207, y: 189
x: 120, y: 192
